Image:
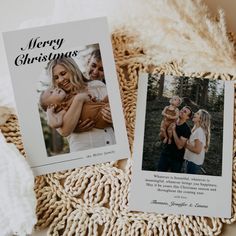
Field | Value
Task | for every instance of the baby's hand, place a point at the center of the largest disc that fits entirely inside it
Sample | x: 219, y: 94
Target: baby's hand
x: 54, y: 120
x: 50, y: 109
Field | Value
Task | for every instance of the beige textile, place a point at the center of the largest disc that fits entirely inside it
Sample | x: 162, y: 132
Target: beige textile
x: 93, y: 200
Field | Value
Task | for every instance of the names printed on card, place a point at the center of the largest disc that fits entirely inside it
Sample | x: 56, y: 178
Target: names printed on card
x: 99, y: 154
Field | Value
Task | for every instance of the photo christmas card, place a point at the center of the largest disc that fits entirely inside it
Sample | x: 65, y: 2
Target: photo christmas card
x: 67, y: 95
x: 183, y: 146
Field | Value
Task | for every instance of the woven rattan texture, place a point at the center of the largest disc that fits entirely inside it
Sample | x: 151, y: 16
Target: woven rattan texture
x: 93, y: 200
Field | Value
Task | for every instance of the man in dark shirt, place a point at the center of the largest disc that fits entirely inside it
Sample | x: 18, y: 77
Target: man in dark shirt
x: 171, y: 158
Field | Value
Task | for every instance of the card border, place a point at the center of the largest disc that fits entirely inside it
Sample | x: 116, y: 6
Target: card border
x: 118, y: 151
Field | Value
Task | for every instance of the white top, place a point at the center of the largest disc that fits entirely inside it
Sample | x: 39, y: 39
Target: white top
x: 97, y: 89
x: 197, y: 159
x: 95, y: 137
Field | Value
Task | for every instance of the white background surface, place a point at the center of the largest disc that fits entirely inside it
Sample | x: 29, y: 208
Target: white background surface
x: 13, y: 12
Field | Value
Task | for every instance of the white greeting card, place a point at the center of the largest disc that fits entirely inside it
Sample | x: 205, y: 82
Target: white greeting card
x: 183, y: 146
x: 67, y: 95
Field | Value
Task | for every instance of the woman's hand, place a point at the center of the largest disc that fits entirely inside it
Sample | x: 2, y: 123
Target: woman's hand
x: 187, y: 144
x: 84, y: 126
x: 106, y: 114
x: 196, y: 147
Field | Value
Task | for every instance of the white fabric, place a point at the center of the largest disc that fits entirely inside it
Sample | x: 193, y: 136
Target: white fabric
x: 6, y: 93
x: 198, y: 159
x: 95, y: 137
x: 17, y: 197
x: 97, y: 89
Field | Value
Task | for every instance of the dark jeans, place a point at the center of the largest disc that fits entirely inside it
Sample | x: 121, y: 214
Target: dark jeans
x: 168, y: 163
x: 192, y: 168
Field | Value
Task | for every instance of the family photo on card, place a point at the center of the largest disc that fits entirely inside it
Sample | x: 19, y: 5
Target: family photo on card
x: 76, y: 104
x: 183, y: 145
x: 188, y: 115
x: 72, y: 114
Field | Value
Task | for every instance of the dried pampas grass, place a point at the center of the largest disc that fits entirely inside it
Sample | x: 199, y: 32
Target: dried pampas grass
x: 167, y: 30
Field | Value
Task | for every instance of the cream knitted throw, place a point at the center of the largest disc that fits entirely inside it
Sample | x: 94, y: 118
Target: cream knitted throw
x: 93, y: 200
x: 18, y: 203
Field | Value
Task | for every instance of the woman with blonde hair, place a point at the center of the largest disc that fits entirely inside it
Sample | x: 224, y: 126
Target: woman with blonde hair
x: 70, y: 76
x: 66, y: 75
x: 198, y: 143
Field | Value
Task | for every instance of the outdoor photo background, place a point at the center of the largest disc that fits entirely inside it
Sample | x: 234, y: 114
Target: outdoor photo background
x: 54, y: 142
x: 196, y: 93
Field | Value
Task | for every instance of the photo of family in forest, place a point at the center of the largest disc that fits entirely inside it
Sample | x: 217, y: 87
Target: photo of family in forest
x: 73, y: 104
x: 184, y: 125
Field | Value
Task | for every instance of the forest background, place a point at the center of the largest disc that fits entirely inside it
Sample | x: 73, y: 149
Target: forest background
x: 198, y: 94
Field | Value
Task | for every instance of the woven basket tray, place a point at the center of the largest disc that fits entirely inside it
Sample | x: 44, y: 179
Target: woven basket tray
x: 93, y: 200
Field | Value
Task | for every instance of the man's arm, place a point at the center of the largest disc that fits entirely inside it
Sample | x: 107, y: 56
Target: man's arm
x: 179, y: 141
